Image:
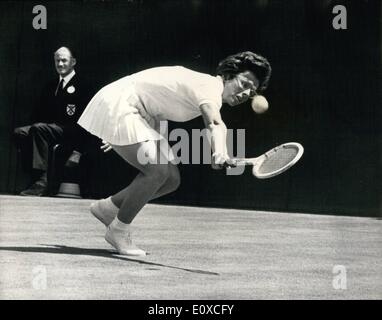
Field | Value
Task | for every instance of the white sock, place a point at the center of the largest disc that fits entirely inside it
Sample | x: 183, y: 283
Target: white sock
x: 108, y: 206
x: 118, y: 224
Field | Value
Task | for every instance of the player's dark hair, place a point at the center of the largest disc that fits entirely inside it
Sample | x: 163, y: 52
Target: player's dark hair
x: 243, y: 61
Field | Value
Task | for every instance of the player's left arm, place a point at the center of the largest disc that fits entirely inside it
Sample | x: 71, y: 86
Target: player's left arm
x: 218, y: 130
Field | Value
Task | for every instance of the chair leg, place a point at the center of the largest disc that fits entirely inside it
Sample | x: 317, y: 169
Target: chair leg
x: 52, y: 172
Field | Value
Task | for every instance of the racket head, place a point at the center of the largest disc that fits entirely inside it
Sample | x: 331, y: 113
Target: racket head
x: 277, y: 160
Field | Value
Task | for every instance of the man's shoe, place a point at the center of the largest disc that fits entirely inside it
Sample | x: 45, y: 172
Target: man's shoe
x: 73, y: 160
x: 121, y: 240
x: 38, y: 189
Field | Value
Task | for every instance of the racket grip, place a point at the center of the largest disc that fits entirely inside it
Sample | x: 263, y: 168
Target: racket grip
x: 244, y: 162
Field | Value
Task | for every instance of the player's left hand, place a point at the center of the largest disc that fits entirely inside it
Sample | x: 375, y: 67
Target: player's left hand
x: 106, y: 147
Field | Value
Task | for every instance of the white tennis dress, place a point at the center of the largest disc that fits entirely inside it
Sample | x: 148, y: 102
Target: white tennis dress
x: 128, y: 110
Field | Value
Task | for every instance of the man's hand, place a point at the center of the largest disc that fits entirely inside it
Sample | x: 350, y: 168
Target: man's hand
x: 106, y: 147
x: 220, y: 161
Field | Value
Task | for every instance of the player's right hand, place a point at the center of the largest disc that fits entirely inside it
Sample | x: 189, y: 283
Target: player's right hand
x: 106, y: 147
x: 220, y: 161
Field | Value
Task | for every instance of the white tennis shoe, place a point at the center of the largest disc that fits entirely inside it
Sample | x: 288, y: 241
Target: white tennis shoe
x: 122, y: 241
x: 105, y: 216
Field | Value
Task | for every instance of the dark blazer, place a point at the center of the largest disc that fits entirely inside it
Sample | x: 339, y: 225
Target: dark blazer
x: 66, y: 107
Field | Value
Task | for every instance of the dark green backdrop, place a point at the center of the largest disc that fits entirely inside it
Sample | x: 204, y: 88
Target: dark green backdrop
x: 325, y: 91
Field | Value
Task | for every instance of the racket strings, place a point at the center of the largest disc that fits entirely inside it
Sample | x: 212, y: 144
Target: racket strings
x: 277, y: 160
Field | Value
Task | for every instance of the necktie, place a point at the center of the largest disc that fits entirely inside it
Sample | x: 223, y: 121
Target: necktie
x: 60, y: 86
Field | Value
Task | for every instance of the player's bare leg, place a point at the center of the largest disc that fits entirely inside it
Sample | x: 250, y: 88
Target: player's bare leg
x: 170, y: 185
x: 107, y: 209
x: 149, y: 183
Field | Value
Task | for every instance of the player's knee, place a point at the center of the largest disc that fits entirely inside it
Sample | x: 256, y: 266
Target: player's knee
x: 158, y: 173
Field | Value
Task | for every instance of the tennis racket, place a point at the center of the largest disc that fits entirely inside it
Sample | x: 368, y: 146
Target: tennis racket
x: 274, y: 161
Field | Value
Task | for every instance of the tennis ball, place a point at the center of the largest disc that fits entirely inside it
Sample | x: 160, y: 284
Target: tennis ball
x: 259, y: 104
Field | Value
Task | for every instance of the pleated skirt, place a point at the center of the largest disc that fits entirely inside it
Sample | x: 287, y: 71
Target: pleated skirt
x: 116, y: 115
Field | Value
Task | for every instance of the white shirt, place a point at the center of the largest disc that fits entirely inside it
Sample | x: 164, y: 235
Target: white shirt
x: 67, y: 78
x: 176, y: 93
x: 164, y: 93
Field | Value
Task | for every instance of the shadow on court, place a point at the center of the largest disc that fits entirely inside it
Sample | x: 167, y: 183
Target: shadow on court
x: 60, y: 249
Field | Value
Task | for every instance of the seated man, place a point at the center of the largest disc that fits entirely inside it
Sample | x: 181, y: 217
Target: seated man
x: 55, y: 120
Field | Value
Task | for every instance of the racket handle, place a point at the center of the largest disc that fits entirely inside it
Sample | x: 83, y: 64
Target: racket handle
x: 245, y: 162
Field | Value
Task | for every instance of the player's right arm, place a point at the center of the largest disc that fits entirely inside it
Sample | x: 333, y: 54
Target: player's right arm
x: 218, y: 134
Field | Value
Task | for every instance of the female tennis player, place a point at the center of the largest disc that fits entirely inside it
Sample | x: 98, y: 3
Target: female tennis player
x: 125, y: 115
